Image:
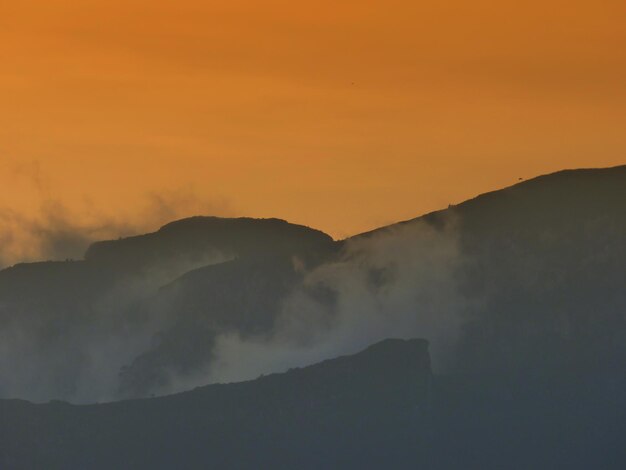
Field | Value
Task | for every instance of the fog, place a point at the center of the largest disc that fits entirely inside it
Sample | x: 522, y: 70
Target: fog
x: 56, y: 232
x: 398, y: 283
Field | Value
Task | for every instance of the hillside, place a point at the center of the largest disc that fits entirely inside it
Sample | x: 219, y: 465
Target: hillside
x: 79, y: 324
x: 349, y: 412
x: 542, y: 266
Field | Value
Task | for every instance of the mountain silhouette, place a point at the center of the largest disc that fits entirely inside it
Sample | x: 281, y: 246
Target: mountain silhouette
x: 348, y: 412
x: 542, y: 265
x: 64, y: 307
x: 519, y: 291
x: 186, y: 241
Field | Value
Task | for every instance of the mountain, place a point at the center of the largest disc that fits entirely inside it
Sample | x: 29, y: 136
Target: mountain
x: 195, y: 241
x: 380, y: 408
x: 121, y: 303
x: 242, y: 295
x: 531, y: 272
x: 543, y: 269
x: 350, y: 412
x: 520, y: 293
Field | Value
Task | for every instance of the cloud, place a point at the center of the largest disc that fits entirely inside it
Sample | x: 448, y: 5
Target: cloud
x: 74, y: 348
x: 71, y: 345
x: 397, y: 283
x: 56, y: 232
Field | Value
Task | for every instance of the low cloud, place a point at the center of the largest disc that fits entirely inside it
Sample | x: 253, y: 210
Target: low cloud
x: 398, y: 283
x: 57, y: 232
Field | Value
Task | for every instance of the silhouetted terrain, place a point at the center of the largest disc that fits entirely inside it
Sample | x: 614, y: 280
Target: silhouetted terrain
x: 60, y: 315
x: 349, y: 412
x: 242, y: 295
x: 545, y: 262
x: 191, y: 241
x: 381, y: 408
x: 520, y: 293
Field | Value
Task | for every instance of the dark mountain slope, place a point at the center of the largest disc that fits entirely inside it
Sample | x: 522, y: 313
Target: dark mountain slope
x: 63, y: 317
x: 187, y: 241
x: 543, y: 271
x: 549, y: 199
x: 241, y: 296
x: 50, y: 280
x: 360, y: 411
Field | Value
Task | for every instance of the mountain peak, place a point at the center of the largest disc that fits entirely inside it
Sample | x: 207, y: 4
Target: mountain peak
x: 208, y: 238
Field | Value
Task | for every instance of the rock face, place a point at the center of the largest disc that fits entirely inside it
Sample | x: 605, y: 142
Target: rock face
x: 360, y: 411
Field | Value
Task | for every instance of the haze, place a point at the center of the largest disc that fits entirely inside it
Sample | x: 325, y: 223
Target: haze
x: 338, y: 115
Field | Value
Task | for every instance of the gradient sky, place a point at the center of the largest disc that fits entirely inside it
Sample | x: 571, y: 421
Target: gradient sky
x: 343, y: 115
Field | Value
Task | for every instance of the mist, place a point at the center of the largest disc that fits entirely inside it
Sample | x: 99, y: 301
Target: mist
x: 75, y: 350
x: 488, y: 300
x: 77, y: 354
x: 56, y: 232
x: 398, y: 283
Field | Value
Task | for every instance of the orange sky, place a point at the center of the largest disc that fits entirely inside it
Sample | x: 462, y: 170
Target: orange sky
x: 343, y: 115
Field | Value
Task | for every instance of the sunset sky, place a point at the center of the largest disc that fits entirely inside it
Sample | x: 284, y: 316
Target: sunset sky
x: 342, y: 115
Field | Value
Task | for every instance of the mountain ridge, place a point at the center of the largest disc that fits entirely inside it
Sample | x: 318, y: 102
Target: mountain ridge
x: 303, y: 417
x: 618, y: 171
x: 534, y: 254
